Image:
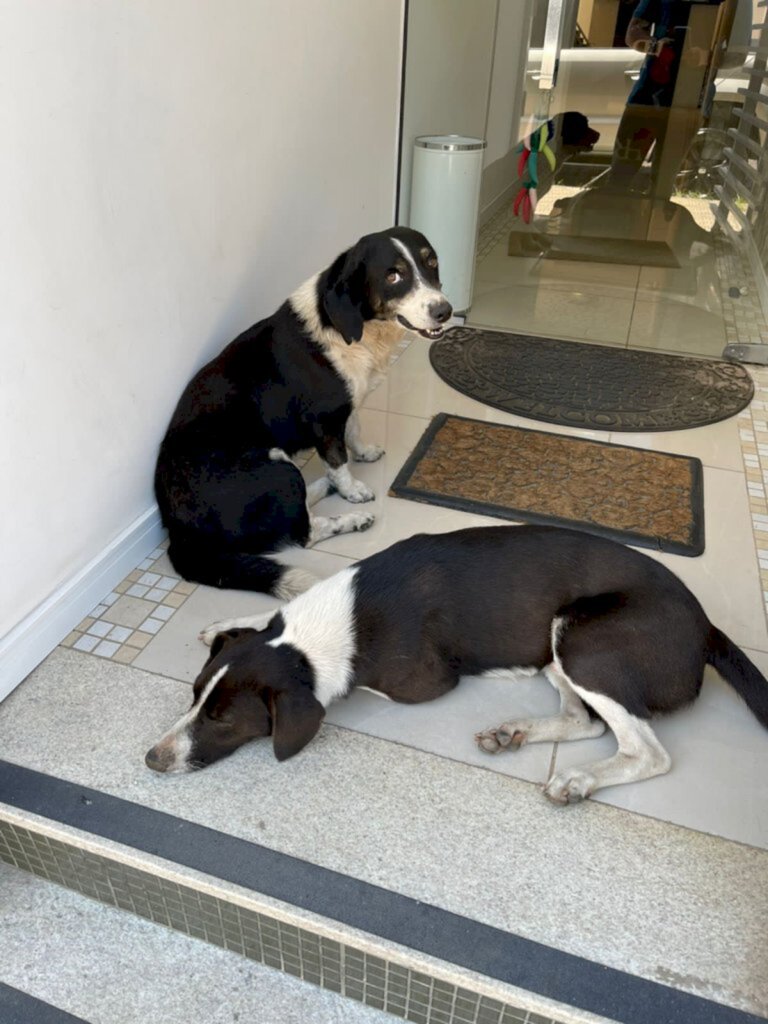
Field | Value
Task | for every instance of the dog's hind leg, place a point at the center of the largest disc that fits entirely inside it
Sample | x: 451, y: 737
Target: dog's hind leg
x: 323, y: 527
x: 572, y: 722
x: 640, y: 755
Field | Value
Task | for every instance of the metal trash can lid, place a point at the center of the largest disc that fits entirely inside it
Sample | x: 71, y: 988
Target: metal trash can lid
x: 451, y: 143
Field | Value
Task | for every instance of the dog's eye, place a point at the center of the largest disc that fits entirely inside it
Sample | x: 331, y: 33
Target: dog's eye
x: 223, y: 720
x: 393, y: 276
x: 432, y: 262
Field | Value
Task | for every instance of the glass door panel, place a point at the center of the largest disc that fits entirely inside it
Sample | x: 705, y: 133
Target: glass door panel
x: 618, y: 243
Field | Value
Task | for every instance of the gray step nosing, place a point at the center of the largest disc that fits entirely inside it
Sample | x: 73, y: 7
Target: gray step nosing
x: 501, y: 956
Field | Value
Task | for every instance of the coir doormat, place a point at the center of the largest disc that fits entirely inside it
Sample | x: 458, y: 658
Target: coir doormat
x: 641, y: 497
x: 591, y: 386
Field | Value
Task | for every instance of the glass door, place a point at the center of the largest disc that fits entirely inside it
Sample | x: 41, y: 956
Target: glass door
x: 609, y: 231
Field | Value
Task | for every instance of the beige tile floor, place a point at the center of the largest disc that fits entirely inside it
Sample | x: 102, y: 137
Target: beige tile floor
x: 613, y: 304
x: 717, y: 747
x: 686, y: 310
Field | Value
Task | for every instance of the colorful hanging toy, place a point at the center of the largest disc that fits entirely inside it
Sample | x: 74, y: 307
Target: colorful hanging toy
x: 527, y: 168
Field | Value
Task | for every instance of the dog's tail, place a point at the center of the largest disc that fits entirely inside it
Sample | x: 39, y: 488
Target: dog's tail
x: 736, y: 668
x: 238, y: 570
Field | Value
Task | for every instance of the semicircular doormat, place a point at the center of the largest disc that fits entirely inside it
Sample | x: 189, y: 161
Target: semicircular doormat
x: 581, y: 385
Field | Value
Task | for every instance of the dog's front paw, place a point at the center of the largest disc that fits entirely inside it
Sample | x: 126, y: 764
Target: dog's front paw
x: 509, y: 736
x: 361, y: 520
x: 370, y: 453
x: 570, y: 786
x: 357, y: 492
x: 209, y: 634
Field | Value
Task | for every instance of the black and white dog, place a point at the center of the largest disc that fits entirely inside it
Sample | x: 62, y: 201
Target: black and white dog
x: 226, y: 486
x: 615, y: 632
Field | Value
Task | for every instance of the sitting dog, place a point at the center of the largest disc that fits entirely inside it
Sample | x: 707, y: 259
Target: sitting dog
x: 615, y: 632
x: 227, y: 488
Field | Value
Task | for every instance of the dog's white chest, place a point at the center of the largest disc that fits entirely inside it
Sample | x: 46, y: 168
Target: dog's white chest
x: 364, y: 363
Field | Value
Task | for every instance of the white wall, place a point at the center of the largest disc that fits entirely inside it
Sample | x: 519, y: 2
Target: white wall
x: 171, y: 170
x: 447, y: 73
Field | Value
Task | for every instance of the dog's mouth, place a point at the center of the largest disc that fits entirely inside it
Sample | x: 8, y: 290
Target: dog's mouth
x: 431, y: 334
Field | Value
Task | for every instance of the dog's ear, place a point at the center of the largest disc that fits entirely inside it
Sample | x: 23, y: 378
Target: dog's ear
x: 296, y: 717
x: 345, y: 296
x: 229, y: 636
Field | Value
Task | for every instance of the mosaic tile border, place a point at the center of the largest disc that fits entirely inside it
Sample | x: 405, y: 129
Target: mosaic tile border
x: 128, y: 617
x: 753, y: 435
x: 339, y: 967
x: 743, y: 315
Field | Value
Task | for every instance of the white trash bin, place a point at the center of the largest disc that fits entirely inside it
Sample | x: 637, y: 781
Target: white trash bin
x: 445, y: 194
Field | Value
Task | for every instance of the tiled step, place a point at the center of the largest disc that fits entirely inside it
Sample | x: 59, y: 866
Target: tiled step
x: 438, y: 891
x: 68, y: 959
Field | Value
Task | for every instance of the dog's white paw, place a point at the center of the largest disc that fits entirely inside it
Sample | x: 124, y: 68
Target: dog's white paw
x: 570, y: 786
x: 357, y: 492
x: 360, y: 520
x: 370, y: 453
x: 509, y: 736
x: 209, y: 634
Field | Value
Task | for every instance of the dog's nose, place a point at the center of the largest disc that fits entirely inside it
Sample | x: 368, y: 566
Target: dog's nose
x: 158, y: 759
x: 441, y: 311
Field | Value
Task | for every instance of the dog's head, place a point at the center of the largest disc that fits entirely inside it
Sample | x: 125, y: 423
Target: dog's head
x: 246, y: 690
x: 575, y: 132
x: 390, y: 275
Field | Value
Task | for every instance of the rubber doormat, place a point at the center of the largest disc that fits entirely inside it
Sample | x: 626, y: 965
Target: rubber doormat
x: 635, y: 495
x: 593, y: 386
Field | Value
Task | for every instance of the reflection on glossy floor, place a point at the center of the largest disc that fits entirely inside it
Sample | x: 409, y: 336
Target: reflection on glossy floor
x: 717, y: 747
x: 671, y: 309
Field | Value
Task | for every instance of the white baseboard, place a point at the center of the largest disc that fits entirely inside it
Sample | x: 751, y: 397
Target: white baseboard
x: 32, y: 639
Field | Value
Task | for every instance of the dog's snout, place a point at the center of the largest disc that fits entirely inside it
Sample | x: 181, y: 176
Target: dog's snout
x: 441, y: 311
x: 159, y: 758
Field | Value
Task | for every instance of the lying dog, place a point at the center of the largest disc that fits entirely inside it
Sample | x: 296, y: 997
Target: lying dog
x: 226, y: 486
x: 615, y: 632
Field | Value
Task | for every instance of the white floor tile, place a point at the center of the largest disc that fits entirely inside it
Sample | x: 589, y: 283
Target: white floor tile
x: 725, y: 578
x: 106, y: 649
x: 581, y: 315
x: 717, y: 445
x: 614, y: 279
x: 692, y: 285
x: 676, y: 327
x: 86, y: 643
x: 100, y: 628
